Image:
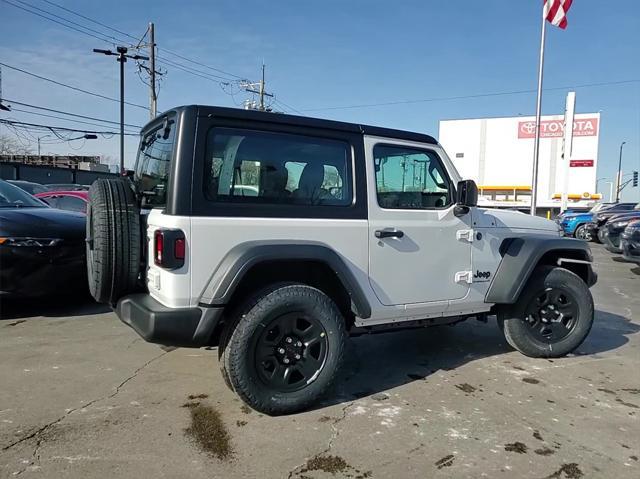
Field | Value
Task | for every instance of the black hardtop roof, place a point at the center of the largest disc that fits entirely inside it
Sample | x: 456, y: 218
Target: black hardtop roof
x: 282, y: 118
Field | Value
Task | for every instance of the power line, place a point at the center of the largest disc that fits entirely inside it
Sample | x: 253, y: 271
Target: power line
x: 276, y: 100
x: 56, y: 21
x: 170, y: 52
x: 35, y: 113
x: 61, y: 128
x: 89, y: 19
x: 71, y: 87
x: 466, y: 97
x: 69, y: 114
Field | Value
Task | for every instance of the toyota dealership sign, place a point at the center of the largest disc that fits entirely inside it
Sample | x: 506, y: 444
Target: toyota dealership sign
x: 555, y: 128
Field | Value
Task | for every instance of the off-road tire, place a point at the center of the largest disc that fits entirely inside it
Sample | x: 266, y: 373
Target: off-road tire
x: 113, y: 240
x: 519, y: 335
x: 253, y: 317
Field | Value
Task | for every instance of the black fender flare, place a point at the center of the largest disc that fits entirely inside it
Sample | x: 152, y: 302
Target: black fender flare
x: 244, y: 256
x: 520, y: 256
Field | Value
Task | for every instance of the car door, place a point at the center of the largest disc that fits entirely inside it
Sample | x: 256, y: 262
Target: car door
x: 419, y: 251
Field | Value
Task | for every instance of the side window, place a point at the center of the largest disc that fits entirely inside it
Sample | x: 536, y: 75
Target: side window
x: 408, y: 178
x: 71, y: 203
x: 246, y: 166
x: 51, y: 201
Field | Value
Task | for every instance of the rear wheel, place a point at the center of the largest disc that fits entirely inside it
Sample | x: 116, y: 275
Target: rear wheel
x: 285, y: 349
x: 553, y: 315
x: 113, y: 240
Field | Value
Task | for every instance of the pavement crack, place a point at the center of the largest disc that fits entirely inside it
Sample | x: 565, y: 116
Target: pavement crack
x: 334, y: 435
x: 38, y: 432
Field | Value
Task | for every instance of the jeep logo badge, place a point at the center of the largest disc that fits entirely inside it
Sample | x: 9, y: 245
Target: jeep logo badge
x: 482, y: 275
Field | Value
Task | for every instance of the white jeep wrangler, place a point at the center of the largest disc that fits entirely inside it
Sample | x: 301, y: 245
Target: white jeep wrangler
x: 274, y: 237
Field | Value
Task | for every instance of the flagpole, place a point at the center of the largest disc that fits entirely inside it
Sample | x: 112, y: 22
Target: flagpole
x: 536, y: 144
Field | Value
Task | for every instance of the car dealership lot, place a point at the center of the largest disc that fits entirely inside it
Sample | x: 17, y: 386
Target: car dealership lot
x: 83, y: 396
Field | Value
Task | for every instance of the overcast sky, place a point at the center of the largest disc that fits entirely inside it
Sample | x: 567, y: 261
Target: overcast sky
x: 330, y: 53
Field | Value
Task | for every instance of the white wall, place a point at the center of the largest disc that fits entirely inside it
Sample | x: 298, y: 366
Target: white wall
x: 499, y: 152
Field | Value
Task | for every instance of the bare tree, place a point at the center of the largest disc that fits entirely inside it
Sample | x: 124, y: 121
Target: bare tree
x: 11, y: 146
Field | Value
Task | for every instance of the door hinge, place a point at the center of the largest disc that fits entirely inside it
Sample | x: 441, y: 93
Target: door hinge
x: 466, y: 235
x: 464, y: 277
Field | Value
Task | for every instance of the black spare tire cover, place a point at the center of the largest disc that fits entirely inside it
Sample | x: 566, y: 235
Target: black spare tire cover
x: 113, y: 240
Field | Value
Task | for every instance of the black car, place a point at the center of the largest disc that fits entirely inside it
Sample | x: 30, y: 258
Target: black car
x: 614, y: 227
x: 42, y: 250
x: 630, y: 242
x: 595, y: 228
x: 29, y: 186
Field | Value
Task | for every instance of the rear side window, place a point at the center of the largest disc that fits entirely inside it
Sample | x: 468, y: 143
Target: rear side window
x: 248, y: 166
x: 153, y: 162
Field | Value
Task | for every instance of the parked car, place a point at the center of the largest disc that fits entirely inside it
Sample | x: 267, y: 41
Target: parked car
x: 29, y: 186
x: 594, y: 229
x: 614, y: 227
x: 42, y: 250
x: 339, y: 240
x: 574, y: 224
x: 66, y: 200
x: 630, y: 242
x: 67, y: 187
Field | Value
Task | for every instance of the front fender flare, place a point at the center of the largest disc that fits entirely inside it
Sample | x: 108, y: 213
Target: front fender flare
x: 521, y: 256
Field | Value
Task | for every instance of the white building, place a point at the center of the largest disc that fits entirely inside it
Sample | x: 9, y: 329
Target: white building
x: 498, y: 154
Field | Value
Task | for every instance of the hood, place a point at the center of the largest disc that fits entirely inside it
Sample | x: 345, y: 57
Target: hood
x: 629, y: 215
x: 489, y: 217
x: 42, y: 223
x: 573, y: 216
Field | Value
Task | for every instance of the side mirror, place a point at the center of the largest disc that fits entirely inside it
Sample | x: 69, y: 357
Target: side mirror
x: 467, y: 196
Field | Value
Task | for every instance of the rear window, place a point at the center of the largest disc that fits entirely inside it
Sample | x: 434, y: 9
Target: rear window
x: 153, y: 162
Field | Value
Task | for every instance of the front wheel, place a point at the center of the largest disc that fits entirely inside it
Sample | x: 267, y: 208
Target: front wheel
x: 553, y: 315
x: 285, y: 348
x: 582, y: 233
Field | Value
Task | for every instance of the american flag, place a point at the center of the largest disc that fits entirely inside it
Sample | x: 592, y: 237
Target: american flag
x: 555, y: 11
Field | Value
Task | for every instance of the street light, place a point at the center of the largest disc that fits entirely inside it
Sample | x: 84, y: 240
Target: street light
x: 121, y: 52
x: 619, y: 179
x: 39, y: 138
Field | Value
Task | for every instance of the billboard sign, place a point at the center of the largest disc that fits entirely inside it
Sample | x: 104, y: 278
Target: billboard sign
x: 555, y: 128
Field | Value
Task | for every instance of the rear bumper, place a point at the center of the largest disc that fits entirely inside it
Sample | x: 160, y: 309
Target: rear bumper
x: 157, y: 323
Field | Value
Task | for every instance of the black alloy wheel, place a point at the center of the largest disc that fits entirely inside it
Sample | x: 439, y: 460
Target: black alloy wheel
x: 552, y: 314
x: 290, y: 352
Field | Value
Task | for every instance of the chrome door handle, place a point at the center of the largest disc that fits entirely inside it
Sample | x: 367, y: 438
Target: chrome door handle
x: 389, y: 233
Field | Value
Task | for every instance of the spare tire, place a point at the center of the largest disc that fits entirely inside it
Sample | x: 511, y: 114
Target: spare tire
x: 113, y: 240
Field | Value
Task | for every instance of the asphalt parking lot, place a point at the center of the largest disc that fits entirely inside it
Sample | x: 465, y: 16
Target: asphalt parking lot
x: 82, y: 396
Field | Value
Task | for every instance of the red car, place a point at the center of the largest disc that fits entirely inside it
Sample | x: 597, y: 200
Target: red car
x: 66, y: 200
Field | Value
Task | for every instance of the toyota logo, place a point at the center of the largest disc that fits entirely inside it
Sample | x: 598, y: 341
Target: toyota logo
x: 528, y: 127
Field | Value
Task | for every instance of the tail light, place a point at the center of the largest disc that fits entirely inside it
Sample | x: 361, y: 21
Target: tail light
x: 169, y: 248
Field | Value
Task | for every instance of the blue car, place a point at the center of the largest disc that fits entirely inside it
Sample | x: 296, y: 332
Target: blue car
x: 574, y: 224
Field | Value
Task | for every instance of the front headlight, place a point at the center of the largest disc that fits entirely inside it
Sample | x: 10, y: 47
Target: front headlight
x: 620, y: 224
x: 29, y: 242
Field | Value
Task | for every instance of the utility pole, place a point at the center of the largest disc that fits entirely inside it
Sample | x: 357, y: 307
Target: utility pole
x: 152, y: 73
x: 122, y: 59
x: 619, y: 177
x: 251, y: 88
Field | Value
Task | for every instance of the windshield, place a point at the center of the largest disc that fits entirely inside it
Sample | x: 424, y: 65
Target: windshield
x: 13, y: 197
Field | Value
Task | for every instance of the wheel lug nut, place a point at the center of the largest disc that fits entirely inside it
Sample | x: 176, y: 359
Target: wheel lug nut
x: 285, y: 360
x: 297, y: 356
x: 281, y: 350
x: 299, y: 343
x: 289, y: 340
